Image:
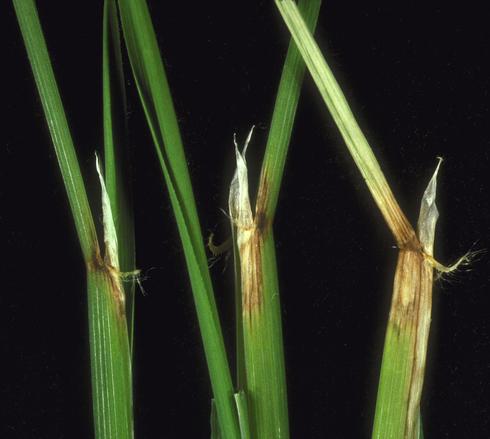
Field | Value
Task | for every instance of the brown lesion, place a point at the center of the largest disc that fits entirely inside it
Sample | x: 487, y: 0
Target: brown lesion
x: 410, y: 315
x: 406, y: 288
x: 96, y: 262
x: 250, y: 242
x: 420, y: 343
x: 251, y: 273
x: 113, y: 276
x: 117, y: 291
x: 398, y: 223
x: 411, y: 242
x: 410, y: 283
x: 262, y: 218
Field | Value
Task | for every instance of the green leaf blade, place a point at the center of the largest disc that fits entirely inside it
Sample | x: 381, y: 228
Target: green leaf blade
x: 285, y: 107
x: 116, y: 151
x: 42, y: 70
x: 157, y: 103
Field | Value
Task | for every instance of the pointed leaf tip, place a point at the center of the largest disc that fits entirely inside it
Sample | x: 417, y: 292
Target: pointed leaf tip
x: 239, y: 199
x: 428, y: 213
x: 110, y: 236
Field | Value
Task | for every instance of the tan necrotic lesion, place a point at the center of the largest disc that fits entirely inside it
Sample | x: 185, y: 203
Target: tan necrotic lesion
x: 410, y: 318
x: 251, y: 273
x: 249, y: 235
x: 411, y: 307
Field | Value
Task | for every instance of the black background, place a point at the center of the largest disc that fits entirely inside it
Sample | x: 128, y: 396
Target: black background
x: 417, y: 78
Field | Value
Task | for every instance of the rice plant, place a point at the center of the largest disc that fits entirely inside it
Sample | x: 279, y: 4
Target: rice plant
x: 250, y: 402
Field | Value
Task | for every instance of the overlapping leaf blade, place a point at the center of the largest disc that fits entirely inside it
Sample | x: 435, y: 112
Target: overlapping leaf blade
x: 153, y: 88
x: 109, y: 346
x: 116, y: 151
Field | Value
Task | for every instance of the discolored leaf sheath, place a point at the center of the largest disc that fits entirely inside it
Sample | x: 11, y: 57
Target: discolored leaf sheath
x: 260, y: 356
x: 265, y: 384
x: 398, y: 404
x: 407, y: 335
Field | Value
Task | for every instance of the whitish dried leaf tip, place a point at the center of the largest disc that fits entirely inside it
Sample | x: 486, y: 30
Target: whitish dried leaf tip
x: 110, y: 236
x: 239, y: 199
x: 427, y: 224
x: 429, y: 214
x: 248, y: 236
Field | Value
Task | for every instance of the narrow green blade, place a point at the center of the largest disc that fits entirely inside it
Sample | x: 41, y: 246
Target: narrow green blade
x: 153, y: 88
x: 58, y: 126
x: 109, y: 347
x: 282, y: 123
x: 116, y: 151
